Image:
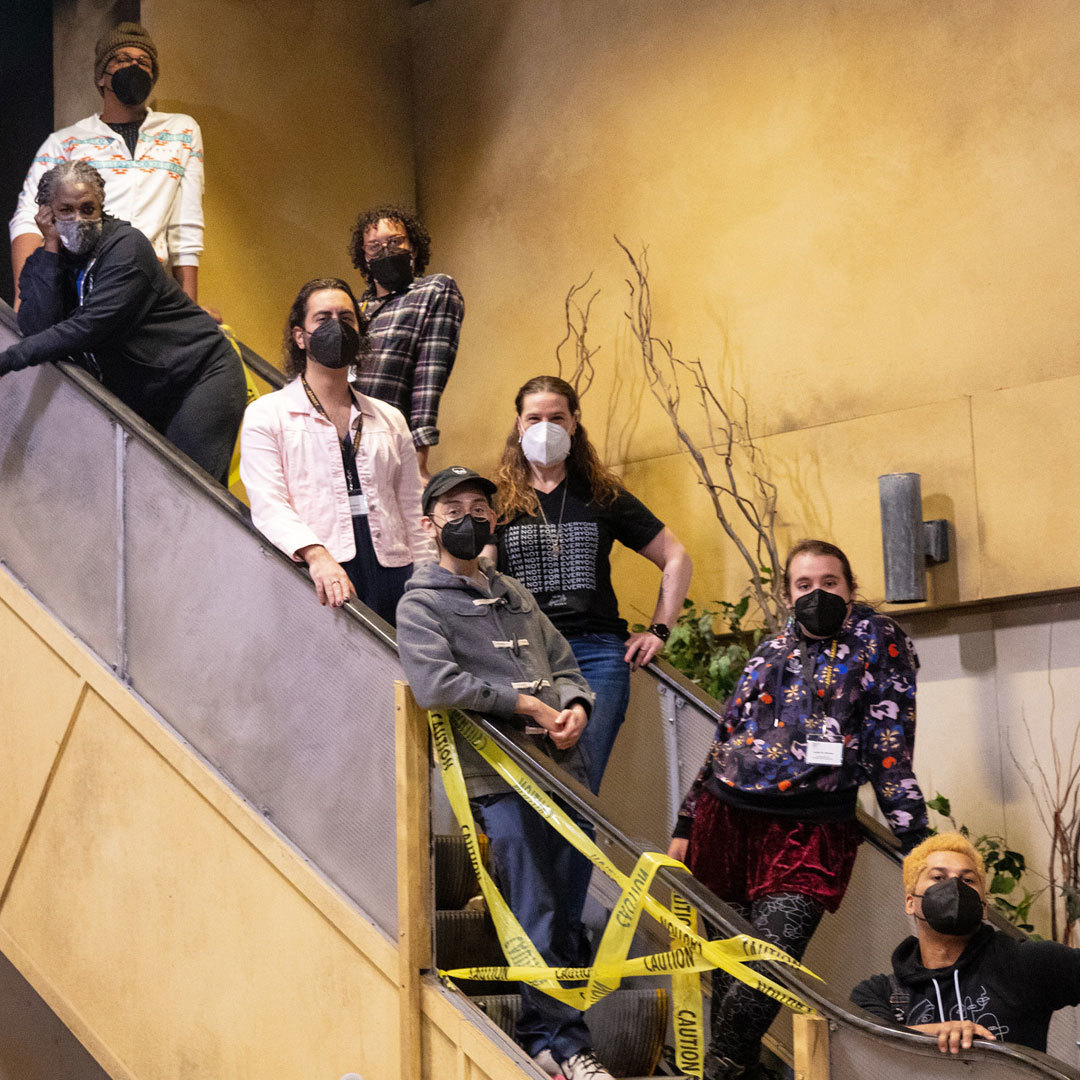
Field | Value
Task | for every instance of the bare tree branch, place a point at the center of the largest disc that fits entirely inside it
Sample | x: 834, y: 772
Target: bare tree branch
x: 753, y: 500
x: 577, y: 328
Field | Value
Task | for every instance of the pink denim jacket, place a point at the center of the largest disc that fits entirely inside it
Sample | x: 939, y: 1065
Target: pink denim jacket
x: 290, y: 462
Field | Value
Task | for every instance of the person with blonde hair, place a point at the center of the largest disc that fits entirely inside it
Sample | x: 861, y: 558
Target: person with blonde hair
x: 958, y: 978
x: 562, y: 510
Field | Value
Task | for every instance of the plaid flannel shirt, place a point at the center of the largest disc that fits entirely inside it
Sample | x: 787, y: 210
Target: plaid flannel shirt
x: 414, y: 340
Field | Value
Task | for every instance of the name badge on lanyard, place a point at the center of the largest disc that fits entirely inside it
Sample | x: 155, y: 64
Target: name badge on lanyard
x: 821, y: 752
x: 358, y: 503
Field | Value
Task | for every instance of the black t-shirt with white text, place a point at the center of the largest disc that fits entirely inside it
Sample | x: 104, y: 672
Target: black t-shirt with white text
x: 563, y: 555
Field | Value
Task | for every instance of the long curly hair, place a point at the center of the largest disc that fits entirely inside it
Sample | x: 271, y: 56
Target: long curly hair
x: 419, y: 237
x: 584, y: 469
x: 295, y: 358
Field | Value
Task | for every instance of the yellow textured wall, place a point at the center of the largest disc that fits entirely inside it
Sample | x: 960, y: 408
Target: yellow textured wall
x: 306, y: 116
x: 862, y: 215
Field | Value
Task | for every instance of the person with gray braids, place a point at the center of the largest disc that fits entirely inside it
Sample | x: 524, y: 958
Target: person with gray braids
x: 96, y: 294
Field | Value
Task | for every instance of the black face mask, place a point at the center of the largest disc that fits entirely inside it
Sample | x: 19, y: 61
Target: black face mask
x: 335, y: 344
x: 821, y: 613
x: 466, y: 537
x: 952, y: 907
x: 132, y: 85
x: 393, y: 272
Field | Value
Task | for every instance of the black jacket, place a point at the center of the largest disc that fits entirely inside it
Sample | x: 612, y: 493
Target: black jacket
x: 1010, y: 987
x: 135, y: 328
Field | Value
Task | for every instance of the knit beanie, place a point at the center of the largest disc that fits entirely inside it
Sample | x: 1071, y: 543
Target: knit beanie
x: 121, y: 36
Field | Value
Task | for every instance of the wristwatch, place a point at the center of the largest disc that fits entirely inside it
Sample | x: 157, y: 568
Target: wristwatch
x: 661, y: 631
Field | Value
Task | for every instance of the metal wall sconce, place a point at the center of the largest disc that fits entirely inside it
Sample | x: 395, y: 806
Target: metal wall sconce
x: 908, y: 543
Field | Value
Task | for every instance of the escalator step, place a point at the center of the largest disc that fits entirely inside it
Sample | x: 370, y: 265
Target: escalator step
x: 468, y: 939
x: 455, y: 882
x: 628, y: 1027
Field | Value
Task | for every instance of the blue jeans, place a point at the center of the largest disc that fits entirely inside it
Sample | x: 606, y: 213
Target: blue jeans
x: 600, y: 657
x: 545, y: 881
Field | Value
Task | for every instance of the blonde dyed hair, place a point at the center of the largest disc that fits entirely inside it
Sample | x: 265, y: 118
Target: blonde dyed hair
x: 916, y: 860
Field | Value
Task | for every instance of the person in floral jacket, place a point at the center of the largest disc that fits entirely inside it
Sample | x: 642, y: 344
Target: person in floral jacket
x: 826, y: 705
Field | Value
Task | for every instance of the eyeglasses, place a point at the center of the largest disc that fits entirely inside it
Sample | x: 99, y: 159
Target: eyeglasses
x: 126, y: 59
x: 391, y: 245
x: 454, y: 513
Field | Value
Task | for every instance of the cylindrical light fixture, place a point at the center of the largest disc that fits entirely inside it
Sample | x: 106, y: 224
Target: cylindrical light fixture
x: 903, y: 539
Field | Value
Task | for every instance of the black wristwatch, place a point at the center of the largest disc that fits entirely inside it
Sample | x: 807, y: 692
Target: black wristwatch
x: 661, y: 631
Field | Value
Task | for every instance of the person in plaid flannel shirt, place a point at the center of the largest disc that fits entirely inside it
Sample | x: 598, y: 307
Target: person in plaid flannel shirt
x: 414, y: 320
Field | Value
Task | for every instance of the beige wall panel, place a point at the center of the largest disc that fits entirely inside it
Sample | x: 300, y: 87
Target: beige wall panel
x: 306, y: 116
x: 182, y: 949
x: 1039, y: 718
x: 38, y: 692
x: 1026, y: 477
x: 827, y: 478
x: 988, y: 709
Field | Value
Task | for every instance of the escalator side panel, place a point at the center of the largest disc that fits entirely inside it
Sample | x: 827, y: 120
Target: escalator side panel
x: 58, y: 524
x: 290, y: 700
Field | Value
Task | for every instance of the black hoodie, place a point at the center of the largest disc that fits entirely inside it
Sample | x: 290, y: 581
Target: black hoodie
x: 133, y: 327
x: 1010, y: 987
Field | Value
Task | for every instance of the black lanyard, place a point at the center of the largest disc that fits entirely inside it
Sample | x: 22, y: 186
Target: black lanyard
x: 349, y: 449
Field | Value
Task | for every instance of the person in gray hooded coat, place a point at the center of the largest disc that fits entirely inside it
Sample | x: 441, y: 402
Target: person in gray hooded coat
x: 472, y: 638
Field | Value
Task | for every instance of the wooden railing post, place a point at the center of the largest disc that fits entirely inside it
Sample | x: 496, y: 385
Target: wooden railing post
x: 811, y: 1047
x: 414, y: 887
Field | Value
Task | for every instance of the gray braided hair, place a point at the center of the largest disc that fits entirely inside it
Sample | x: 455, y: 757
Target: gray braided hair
x: 76, y: 172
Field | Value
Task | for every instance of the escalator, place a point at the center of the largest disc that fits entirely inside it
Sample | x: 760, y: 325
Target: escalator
x: 133, y: 570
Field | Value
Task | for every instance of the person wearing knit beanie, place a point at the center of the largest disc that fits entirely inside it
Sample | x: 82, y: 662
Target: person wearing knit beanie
x: 124, y: 35
x: 151, y: 160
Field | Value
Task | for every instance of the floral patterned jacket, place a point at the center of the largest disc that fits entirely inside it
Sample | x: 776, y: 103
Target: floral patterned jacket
x: 862, y: 690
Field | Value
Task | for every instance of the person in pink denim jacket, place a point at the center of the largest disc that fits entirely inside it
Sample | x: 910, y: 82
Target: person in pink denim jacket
x: 331, y: 474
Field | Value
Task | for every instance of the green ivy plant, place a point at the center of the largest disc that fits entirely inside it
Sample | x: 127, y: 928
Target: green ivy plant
x: 710, y: 646
x: 1004, y: 869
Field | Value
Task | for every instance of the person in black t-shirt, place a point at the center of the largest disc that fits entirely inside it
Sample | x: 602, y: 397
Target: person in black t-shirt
x: 562, y: 510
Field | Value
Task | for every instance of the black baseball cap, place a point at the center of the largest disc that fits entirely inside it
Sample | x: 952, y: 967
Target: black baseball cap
x: 450, y: 478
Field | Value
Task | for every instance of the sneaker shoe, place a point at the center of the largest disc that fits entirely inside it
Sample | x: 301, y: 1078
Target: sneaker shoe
x: 584, y: 1066
x: 546, y: 1060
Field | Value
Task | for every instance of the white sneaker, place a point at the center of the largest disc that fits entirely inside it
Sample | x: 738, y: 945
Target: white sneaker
x: 584, y: 1066
x: 546, y: 1060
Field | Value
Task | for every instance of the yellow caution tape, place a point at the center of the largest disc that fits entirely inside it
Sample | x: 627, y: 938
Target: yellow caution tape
x: 687, y: 1020
x: 253, y: 391
x: 690, y: 955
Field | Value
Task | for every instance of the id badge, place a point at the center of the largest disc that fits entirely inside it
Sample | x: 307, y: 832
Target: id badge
x: 358, y: 503
x: 820, y: 752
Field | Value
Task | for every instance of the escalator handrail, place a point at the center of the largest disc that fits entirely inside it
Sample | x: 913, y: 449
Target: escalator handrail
x: 535, y: 764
